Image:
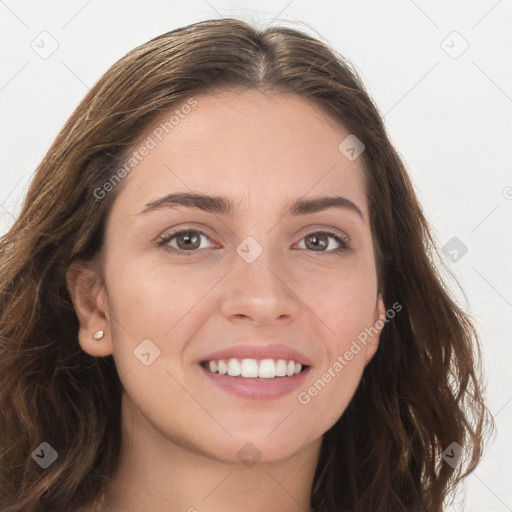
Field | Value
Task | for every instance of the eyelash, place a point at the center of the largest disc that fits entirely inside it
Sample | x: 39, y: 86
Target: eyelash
x: 165, y: 239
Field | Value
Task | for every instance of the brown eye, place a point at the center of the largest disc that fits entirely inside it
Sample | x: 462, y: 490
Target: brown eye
x: 188, y: 240
x: 317, y: 242
x: 321, y: 240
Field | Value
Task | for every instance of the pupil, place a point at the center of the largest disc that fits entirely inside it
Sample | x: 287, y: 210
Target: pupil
x: 187, y: 237
x: 318, y: 242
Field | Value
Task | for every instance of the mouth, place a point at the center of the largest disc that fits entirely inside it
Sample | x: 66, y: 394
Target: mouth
x: 254, y: 369
x: 257, y: 370
x: 255, y: 379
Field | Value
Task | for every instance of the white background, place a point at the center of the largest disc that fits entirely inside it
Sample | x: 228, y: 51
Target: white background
x: 450, y: 119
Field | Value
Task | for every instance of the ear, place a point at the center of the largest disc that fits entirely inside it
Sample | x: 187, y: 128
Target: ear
x: 378, y: 325
x: 90, y: 302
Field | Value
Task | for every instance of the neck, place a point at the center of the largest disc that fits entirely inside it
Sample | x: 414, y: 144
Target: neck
x: 163, y: 475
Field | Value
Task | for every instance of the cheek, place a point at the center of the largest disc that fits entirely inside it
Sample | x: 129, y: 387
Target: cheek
x: 151, y: 300
x: 149, y: 297
x: 346, y: 308
x: 155, y: 302
x: 348, y: 315
x: 344, y: 302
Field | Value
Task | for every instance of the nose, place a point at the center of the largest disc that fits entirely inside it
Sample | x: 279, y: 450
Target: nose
x: 260, y: 292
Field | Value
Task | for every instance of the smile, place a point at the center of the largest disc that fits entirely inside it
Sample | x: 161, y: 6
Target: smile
x: 270, y: 387
x: 249, y: 368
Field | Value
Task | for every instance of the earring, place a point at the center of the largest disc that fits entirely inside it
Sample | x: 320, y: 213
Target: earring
x: 98, y: 335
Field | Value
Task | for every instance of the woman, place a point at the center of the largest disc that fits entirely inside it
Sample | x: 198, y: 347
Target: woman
x: 220, y: 293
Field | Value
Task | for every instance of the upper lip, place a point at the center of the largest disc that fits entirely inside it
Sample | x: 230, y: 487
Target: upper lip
x: 259, y: 351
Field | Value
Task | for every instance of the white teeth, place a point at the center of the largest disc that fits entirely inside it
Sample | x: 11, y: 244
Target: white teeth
x: 253, y: 368
x: 234, y: 368
x: 249, y: 368
x: 222, y: 367
x: 267, y: 369
x: 281, y: 368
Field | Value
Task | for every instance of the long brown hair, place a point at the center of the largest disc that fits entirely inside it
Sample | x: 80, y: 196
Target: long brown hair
x: 420, y: 394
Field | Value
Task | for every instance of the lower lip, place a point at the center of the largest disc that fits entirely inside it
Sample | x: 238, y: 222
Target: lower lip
x: 254, y: 389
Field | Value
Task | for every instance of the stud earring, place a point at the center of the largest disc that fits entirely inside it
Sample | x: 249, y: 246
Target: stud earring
x: 98, y: 335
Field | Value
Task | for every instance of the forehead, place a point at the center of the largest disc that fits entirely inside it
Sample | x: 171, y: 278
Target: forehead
x: 261, y: 147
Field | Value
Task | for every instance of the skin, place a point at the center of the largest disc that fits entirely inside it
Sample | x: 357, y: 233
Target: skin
x: 181, y: 435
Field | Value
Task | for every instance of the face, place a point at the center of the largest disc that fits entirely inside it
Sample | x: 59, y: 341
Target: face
x: 265, y: 273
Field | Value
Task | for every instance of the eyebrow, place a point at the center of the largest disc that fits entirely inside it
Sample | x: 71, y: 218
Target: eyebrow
x: 224, y: 206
